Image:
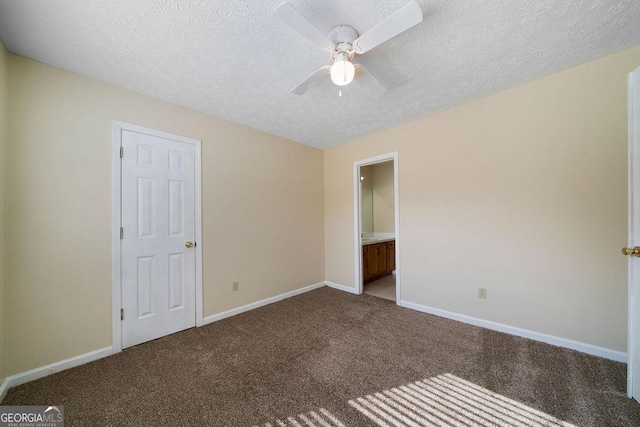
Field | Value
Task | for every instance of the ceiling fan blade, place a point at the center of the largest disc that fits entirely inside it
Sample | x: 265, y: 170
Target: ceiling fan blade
x: 401, y: 20
x: 313, y: 80
x: 298, y: 22
x: 369, y: 82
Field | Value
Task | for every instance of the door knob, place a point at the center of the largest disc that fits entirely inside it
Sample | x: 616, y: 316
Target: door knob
x: 629, y: 251
x: 190, y: 244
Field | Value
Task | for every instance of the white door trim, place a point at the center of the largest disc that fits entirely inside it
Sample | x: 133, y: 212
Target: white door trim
x: 634, y: 186
x: 116, y: 191
x: 356, y: 218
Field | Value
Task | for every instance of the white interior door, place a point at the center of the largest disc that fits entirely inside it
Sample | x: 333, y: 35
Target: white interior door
x: 633, y: 366
x: 158, y: 237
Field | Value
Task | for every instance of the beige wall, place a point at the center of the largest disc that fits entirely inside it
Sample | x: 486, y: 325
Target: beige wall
x: 523, y: 192
x: 262, y: 209
x: 383, y: 198
x: 3, y: 172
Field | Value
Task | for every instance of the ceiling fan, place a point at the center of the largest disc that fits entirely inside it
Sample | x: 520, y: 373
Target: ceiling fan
x: 343, y: 42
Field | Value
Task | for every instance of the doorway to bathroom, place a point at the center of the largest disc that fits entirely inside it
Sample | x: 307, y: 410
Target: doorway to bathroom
x: 376, y: 226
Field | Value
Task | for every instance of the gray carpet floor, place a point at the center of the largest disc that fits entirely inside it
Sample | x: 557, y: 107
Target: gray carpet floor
x: 329, y: 358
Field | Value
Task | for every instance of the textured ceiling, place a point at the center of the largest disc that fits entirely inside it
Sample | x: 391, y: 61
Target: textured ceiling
x: 236, y: 60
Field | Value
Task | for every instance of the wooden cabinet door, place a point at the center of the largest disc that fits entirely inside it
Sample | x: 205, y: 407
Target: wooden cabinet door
x: 381, y: 258
x: 391, y: 256
x: 365, y: 263
x: 372, y: 260
x: 378, y: 259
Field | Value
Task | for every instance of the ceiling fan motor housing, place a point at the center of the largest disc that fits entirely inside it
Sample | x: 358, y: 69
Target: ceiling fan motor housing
x: 343, y: 37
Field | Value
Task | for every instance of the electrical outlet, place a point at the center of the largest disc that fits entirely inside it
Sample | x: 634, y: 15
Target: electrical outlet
x: 234, y: 286
x: 482, y: 293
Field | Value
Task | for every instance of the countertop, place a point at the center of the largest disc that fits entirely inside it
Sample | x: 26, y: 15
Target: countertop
x: 373, y: 240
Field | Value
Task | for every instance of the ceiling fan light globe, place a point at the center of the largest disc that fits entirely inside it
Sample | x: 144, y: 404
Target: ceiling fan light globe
x: 342, y: 72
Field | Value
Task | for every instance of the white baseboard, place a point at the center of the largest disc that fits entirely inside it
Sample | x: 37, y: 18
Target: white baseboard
x: 72, y: 362
x: 341, y: 287
x: 607, y: 353
x: 52, y: 368
x: 261, y: 303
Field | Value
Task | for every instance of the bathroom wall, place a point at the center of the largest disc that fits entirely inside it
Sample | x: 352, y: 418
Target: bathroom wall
x: 379, y: 178
x: 383, y: 198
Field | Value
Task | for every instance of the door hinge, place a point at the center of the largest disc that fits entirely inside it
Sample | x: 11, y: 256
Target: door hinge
x: 121, y: 152
x: 122, y: 314
x: 121, y: 233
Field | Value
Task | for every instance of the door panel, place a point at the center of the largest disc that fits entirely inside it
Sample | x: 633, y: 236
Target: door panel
x: 158, y: 218
x: 145, y: 207
x: 381, y: 258
x: 391, y: 256
x: 372, y: 260
x: 176, y: 208
x: 176, y: 281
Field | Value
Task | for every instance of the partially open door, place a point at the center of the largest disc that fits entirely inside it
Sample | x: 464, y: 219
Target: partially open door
x: 633, y: 367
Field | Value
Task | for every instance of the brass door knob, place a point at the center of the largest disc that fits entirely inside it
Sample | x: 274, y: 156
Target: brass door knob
x: 189, y: 244
x: 629, y: 251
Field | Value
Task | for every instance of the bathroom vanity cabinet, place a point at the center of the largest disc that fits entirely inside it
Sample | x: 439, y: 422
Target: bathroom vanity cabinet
x: 378, y: 260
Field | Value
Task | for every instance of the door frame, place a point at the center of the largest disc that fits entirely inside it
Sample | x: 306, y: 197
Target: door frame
x: 357, y: 226
x: 634, y: 211
x: 116, y: 221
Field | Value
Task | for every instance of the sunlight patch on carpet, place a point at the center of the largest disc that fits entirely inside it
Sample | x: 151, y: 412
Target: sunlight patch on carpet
x: 447, y: 400
x: 320, y: 418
